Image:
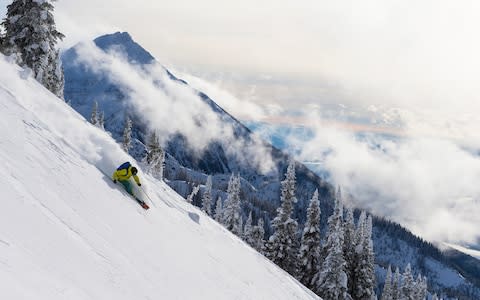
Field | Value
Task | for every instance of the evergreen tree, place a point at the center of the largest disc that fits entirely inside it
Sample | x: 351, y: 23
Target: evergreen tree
x: 396, y: 292
x: 309, y: 254
x: 160, y: 165
x: 359, y: 239
x: 101, y: 120
x: 248, y: 230
x: 387, y: 288
x: 420, y: 288
x: 219, y: 211
x: 408, y: 285
x: 207, y: 197
x: 332, y: 278
x: 31, y: 35
x: 2, y: 36
x: 127, y: 135
x: 232, y: 210
x: 349, y: 249
x: 94, y: 116
x: 153, y: 147
x: 258, y: 236
x: 360, y: 230
x: 423, y: 289
x: 193, y: 193
x: 283, y: 244
x: 364, y: 272
x: 239, y: 227
x: 337, y: 214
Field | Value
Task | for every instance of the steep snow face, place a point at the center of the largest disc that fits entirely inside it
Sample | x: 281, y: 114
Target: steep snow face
x: 67, y: 232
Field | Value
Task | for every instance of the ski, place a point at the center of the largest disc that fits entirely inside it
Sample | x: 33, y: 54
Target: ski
x: 142, y: 204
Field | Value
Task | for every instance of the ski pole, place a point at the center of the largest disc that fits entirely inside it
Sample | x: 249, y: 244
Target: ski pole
x: 141, y: 188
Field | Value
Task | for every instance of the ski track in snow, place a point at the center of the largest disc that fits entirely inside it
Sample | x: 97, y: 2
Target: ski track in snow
x: 67, y: 232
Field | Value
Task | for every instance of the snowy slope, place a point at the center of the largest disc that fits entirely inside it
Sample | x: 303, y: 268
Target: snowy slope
x: 67, y: 232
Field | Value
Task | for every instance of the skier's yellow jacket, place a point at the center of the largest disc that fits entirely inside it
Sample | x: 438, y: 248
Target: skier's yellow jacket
x: 125, y: 174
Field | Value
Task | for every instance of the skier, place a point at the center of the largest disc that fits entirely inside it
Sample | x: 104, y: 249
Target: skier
x: 123, y: 174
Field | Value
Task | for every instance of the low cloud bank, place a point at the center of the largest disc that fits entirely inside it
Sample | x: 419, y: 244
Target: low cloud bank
x: 427, y: 182
x: 171, y: 107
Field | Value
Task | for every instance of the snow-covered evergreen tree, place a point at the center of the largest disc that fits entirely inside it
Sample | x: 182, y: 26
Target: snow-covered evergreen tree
x: 153, y: 147
x: 101, y: 120
x: 387, y: 287
x: 155, y: 155
x: 232, y: 209
x: 127, y: 135
x: 420, y: 288
x: 362, y: 279
x: 360, y: 230
x: 396, y: 288
x: 193, y: 194
x: 336, y: 215
x: 364, y: 273
x: 258, y: 236
x: 94, y: 116
x: 283, y: 244
x: 349, y: 249
x: 2, y: 36
x: 207, y: 197
x: 248, y: 230
x: 309, y: 254
x: 423, y: 291
x: 31, y: 35
x: 332, y: 278
x: 240, y: 227
x: 219, y: 211
x: 407, y: 290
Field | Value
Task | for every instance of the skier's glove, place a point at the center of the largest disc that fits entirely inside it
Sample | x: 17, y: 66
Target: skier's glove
x: 115, y: 181
x: 139, y: 184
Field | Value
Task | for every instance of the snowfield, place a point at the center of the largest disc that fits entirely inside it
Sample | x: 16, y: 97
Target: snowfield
x: 67, y: 232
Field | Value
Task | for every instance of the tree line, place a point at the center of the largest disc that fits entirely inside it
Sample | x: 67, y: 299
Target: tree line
x: 339, y: 266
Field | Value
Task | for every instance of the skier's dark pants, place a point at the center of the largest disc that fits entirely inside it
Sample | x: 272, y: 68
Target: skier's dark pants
x: 127, y: 185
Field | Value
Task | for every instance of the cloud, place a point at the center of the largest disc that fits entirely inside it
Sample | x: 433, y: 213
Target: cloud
x: 429, y: 184
x: 170, y: 107
x: 371, y: 51
x: 418, y: 58
x: 245, y: 108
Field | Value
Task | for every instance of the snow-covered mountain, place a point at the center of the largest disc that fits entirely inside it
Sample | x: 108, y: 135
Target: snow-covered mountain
x: 67, y: 232
x: 92, y: 76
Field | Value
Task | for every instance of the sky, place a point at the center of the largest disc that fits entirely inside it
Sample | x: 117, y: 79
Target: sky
x: 407, y: 69
x: 384, y: 51
x: 358, y: 53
